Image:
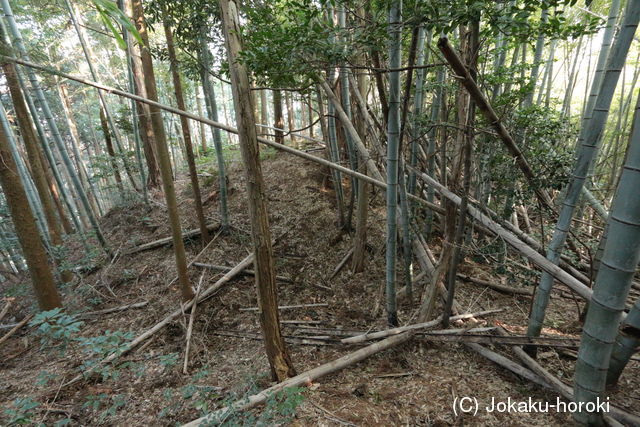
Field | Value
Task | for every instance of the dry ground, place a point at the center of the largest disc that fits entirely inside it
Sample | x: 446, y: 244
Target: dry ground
x: 152, y: 390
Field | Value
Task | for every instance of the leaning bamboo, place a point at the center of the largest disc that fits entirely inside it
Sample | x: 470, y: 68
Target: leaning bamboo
x: 590, y: 134
x: 613, y: 282
x: 376, y: 182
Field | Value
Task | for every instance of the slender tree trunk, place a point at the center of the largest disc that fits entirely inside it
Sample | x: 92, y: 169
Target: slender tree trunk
x: 290, y: 118
x: 186, y: 134
x: 75, y: 142
x: 163, y: 155
x: 26, y: 229
x: 277, y: 116
x: 111, y: 151
x: 472, y: 46
x: 281, y: 365
x: 264, y: 107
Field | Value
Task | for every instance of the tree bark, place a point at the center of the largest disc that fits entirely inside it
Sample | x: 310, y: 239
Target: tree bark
x: 26, y: 229
x: 281, y: 365
x: 186, y: 133
x: 163, y: 155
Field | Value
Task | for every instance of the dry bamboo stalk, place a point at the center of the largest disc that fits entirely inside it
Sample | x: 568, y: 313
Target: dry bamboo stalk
x: 164, y: 322
x: 285, y: 307
x: 305, y: 378
x: 496, y: 286
x: 167, y: 240
x: 6, y: 308
x: 15, y: 328
x: 246, y: 272
x: 190, y: 327
x: 112, y: 310
x: 395, y: 331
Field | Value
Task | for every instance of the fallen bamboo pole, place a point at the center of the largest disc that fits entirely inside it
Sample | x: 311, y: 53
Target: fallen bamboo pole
x: 395, y: 331
x: 481, y: 101
x: 533, y: 255
x: 112, y: 310
x: 496, y: 286
x: 169, y: 240
x: 565, y: 390
x: 164, y: 322
x: 303, y: 379
x: 245, y: 272
x: 15, y: 328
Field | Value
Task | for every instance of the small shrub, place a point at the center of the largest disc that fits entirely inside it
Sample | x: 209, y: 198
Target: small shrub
x: 55, y: 328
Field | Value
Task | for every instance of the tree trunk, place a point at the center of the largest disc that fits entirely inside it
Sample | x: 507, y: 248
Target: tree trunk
x: 281, y: 365
x: 278, y: 120
x: 34, y: 156
x: 26, y: 229
x: 163, y: 155
x: 186, y: 133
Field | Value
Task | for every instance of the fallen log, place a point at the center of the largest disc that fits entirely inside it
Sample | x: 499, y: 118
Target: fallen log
x: 245, y: 272
x: 168, y: 240
x: 508, y: 363
x: 164, y: 322
x: 395, y: 331
x: 305, y: 378
x: 496, y: 286
x: 470, y: 337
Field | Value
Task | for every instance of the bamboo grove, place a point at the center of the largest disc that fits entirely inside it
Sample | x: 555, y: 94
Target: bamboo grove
x: 505, y: 132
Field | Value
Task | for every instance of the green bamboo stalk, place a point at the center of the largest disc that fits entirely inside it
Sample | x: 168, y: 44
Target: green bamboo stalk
x: 431, y: 149
x: 617, y: 268
x: 88, y: 54
x: 393, y: 146
x: 627, y: 342
x: 212, y: 110
x: 588, y: 139
x: 418, y: 102
x: 332, y: 134
x: 537, y: 57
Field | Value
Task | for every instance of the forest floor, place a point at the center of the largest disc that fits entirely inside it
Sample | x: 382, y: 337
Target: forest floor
x: 412, y: 384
